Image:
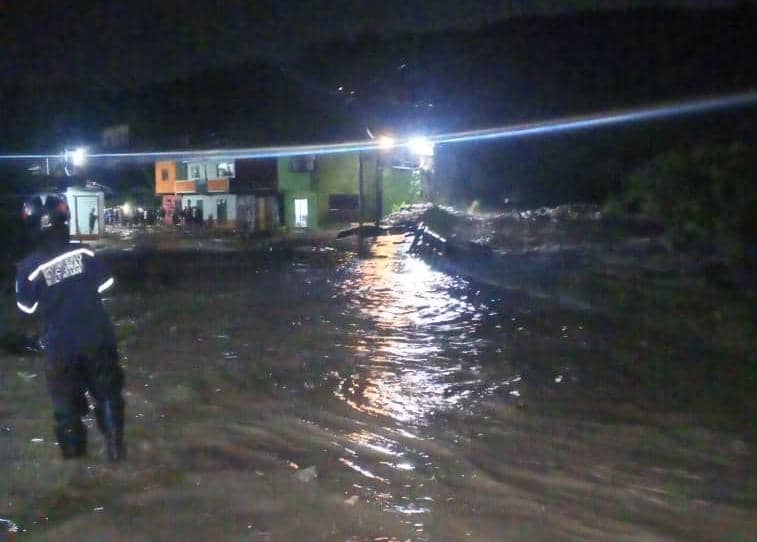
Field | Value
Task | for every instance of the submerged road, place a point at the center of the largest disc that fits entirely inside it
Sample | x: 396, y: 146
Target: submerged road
x: 327, y: 397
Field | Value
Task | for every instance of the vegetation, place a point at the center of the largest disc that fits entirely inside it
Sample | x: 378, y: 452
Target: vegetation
x: 706, y: 196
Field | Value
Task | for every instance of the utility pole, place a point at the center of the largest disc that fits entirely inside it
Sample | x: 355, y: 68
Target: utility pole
x: 360, y: 201
x: 379, y: 189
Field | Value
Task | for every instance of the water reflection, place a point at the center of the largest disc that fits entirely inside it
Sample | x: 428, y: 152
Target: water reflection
x: 405, y: 368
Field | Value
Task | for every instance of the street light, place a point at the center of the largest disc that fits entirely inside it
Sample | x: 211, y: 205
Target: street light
x: 386, y: 142
x: 77, y: 157
x: 420, y: 146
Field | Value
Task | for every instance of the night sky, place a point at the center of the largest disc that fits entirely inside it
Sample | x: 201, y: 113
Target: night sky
x: 119, y: 45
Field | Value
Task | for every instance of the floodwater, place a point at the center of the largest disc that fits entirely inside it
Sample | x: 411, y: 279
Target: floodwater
x: 323, y: 396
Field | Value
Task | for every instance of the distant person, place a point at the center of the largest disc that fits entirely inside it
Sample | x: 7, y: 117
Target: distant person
x: 92, y: 221
x: 210, y: 222
x: 63, y: 281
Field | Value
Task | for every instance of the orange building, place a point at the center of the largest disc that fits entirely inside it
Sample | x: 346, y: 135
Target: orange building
x: 204, y: 187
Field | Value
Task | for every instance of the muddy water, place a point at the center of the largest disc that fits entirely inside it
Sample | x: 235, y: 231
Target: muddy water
x: 326, y: 397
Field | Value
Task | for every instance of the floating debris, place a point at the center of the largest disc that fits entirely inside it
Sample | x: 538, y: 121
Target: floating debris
x: 307, y: 475
x: 7, y: 527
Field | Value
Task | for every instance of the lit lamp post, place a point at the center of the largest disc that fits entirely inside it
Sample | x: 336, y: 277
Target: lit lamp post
x: 385, y: 145
x: 423, y: 148
x: 76, y: 158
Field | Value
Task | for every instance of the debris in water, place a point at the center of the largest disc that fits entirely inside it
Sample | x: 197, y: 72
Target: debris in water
x: 307, y: 475
x: 26, y: 377
x: 37, y: 439
x: 352, y: 501
x: 7, y: 527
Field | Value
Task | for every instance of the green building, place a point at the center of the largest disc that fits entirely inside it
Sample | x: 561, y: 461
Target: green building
x: 319, y: 191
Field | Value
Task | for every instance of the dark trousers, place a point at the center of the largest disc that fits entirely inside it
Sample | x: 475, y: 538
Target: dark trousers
x: 69, y: 377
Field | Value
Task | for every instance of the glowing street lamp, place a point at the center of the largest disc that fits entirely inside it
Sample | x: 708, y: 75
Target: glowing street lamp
x: 386, y: 142
x: 77, y: 157
x: 420, y: 146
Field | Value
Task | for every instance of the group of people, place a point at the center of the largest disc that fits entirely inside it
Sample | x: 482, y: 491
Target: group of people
x: 116, y: 217
x: 190, y: 216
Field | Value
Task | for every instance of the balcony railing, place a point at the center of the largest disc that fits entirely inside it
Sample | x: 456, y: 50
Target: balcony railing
x: 218, y: 185
x: 186, y: 187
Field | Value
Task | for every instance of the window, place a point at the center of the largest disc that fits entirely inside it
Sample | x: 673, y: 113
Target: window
x: 164, y: 174
x: 301, y: 164
x: 195, y: 171
x: 344, y: 202
x: 226, y: 169
x: 344, y: 207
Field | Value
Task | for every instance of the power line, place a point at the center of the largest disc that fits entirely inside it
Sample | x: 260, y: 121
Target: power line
x: 563, y: 124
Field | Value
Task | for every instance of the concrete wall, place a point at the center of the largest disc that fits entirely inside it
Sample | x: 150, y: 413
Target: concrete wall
x: 294, y: 185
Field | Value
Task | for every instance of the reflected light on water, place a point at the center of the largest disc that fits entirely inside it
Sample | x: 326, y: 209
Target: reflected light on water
x: 409, y: 311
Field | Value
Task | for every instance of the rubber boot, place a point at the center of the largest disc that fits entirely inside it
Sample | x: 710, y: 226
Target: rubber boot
x: 72, y: 436
x: 110, y: 420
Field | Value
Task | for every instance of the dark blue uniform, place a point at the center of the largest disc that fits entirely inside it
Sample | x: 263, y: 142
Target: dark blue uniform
x: 63, y: 285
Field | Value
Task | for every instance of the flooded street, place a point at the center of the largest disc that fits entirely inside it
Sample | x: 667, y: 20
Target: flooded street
x: 327, y: 397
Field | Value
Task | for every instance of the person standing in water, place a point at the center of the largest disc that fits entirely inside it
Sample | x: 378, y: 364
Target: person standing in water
x: 63, y: 282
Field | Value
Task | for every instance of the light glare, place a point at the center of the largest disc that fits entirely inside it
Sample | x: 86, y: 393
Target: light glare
x: 386, y: 142
x: 78, y: 156
x: 420, y: 146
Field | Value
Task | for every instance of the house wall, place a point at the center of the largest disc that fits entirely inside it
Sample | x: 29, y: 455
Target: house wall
x: 177, y: 180
x: 165, y: 186
x: 339, y: 174
x: 218, y: 185
x: 294, y: 185
x: 335, y: 174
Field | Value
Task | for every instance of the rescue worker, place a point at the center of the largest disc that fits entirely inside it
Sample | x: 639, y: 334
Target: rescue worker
x: 62, y: 281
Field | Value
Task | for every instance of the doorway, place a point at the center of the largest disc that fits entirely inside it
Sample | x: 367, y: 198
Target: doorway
x: 301, y: 213
x: 221, y: 211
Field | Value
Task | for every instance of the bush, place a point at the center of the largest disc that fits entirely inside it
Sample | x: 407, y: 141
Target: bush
x: 704, y: 195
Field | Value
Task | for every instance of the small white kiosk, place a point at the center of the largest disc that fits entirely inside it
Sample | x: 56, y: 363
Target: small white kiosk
x: 87, y: 206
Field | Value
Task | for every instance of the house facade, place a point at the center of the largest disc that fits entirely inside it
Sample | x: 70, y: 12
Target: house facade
x: 325, y: 190
x: 204, y: 186
x: 294, y: 192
